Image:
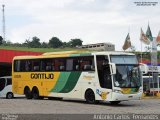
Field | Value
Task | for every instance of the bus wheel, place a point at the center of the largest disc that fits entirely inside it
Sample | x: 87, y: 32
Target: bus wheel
x: 27, y: 93
x: 35, y: 93
x: 9, y: 95
x: 115, y: 102
x: 90, y: 97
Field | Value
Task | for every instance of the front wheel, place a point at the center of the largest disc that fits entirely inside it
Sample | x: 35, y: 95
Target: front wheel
x: 9, y: 95
x: 90, y: 97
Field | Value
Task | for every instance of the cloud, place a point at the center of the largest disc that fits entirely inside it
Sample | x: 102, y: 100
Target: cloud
x: 90, y: 20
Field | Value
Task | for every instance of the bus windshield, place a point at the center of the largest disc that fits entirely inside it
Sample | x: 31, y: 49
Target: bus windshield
x: 127, y: 74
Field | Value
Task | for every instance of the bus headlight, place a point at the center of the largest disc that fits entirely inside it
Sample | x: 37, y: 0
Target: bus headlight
x: 140, y: 89
x: 117, y: 91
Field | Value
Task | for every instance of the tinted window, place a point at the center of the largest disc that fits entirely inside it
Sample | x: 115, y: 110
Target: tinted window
x: 69, y: 64
x: 2, y: 83
x: 85, y: 63
x: 17, y: 65
x: 9, y: 81
x: 60, y: 65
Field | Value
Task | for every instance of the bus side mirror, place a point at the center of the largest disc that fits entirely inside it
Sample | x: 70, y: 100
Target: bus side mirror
x: 143, y: 68
x: 113, y: 68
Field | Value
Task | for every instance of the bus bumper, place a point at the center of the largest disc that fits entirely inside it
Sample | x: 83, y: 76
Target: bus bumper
x: 124, y: 97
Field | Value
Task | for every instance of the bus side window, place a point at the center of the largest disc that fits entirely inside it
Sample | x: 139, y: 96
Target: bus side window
x: 60, y: 64
x: 76, y: 64
x: 2, y: 83
x: 22, y: 66
x: 36, y: 65
x: 17, y: 65
x: 87, y: 64
x: 28, y: 65
x: 69, y: 64
x: 9, y: 81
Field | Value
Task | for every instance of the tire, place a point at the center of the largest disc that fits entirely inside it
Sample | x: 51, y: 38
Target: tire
x: 90, y: 97
x: 35, y: 93
x: 115, y: 102
x: 9, y: 95
x: 28, y: 93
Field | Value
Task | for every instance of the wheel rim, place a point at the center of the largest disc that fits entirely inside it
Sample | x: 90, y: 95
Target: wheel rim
x: 35, y: 94
x: 10, y: 95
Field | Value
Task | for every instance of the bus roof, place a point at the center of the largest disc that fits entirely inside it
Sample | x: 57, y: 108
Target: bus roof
x: 71, y: 54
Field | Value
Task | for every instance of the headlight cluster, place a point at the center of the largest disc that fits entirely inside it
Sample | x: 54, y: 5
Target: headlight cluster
x: 117, y: 91
x: 140, y: 89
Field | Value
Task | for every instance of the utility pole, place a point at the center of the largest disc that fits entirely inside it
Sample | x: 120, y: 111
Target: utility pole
x: 3, y: 23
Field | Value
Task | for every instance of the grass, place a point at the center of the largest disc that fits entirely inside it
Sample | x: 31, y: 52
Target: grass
x: 40, y: 49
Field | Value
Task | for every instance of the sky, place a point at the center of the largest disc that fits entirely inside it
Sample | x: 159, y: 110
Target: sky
x: 93, y: 21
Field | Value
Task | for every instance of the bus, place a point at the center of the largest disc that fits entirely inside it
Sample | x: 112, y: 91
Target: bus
x: 150, y: 86
x: 91, y: 76
x: 6, y: 87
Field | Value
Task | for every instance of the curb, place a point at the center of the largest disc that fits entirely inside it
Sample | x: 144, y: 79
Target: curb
x: 151, y: 97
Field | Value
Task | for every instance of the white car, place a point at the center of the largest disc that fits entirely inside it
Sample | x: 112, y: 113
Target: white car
x: 6, y: 87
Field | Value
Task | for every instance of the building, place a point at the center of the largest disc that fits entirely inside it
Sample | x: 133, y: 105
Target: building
x: 100, y: 47
x: 6, y: 57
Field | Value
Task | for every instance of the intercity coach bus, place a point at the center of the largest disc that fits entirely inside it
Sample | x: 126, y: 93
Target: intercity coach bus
x: 97, y: 76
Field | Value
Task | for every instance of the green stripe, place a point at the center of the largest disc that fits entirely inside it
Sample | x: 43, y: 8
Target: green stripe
x: 71, y: 82
x: 61, y: 82
x: 82, y: 54
x: 85, y: 54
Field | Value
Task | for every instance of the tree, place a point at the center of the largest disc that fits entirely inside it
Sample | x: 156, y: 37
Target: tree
x: 26, y: 43
x: 44, y: 45
x: 1, y: 40
x: 35, y: 43
x: 66, y: 44
x: 54, y: 42
x: 75, y: 42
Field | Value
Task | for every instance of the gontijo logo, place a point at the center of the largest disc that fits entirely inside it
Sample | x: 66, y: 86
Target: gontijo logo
x: 42, y: 76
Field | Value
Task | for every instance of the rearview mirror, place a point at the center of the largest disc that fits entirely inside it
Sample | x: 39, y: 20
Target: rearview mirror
x: 113, y: 68
x: 143, y: 68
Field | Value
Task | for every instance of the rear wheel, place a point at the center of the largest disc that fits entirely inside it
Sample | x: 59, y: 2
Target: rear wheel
x: 35, y: 93
x: 9, y: 95
x: 90, y: 97
x: 28, y: 93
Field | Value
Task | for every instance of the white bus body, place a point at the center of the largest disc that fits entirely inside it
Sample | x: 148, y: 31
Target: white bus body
x: 6, y: 88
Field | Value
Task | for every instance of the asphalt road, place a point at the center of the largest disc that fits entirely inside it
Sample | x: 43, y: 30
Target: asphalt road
x: 24, y: 106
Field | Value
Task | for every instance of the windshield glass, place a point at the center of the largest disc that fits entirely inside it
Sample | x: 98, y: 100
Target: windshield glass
x: 127, y: 71
x: 127, y: 76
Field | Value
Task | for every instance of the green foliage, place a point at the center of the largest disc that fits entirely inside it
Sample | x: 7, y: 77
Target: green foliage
x: 1, y: 40
x: 35, y: 43
x: 54, y: 42
x: 44, y: 45
x: 75, y: 42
